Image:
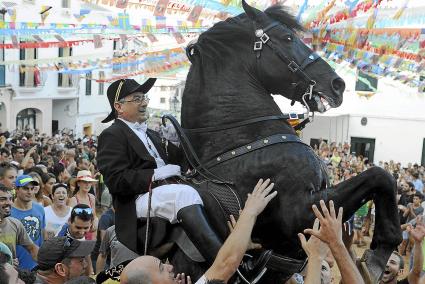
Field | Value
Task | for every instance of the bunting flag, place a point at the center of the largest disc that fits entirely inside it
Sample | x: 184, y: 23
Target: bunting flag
x: 160, y: 8
x: 160, y: 22
x: 37, y: 38
x: 45, y: 10
x: 97, y: 41
x: 15, y: 43
x: 179, y: 38
x: 152, y: 38
x: 400, y: 12
x: 124, y: 21
x: 59, y: 38
x: 121, y: 4
x: 123, y: 38
x: 302, y: 10
x: 195, y: 14
x: 371, y: 20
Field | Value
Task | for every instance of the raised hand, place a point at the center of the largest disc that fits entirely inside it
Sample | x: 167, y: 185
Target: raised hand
x: 330, y: 230
x: 417, y: 232
x: 314, y: 247
x: 260, y: 197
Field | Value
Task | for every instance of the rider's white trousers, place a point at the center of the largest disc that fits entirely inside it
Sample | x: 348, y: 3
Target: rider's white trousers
x: 167, y: 200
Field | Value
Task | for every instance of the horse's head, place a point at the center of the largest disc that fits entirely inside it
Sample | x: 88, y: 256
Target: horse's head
x: 281, y: 55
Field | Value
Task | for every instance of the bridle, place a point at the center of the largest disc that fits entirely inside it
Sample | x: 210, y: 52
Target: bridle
x: 264, y: 39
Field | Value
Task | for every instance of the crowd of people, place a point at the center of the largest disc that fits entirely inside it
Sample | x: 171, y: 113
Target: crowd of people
x: 57, y: 222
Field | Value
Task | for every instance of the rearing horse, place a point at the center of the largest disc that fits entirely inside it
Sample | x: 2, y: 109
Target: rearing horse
x: 236, y: 66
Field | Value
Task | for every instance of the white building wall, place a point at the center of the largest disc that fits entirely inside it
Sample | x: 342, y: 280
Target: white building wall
x: 48, y: 97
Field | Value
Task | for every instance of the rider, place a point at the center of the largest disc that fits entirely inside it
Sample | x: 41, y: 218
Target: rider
x: 133, y: 158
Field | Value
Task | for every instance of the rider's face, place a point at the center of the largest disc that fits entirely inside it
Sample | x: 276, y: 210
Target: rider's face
x: 133, y: 108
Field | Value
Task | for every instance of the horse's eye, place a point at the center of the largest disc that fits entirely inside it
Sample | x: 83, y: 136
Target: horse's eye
x: 289, y: 37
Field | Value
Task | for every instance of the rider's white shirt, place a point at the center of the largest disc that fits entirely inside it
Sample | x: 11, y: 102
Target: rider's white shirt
x: 202, y: 280
x: 140, y: 130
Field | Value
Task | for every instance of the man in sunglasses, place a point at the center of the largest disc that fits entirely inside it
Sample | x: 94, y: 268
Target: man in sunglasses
x: 134, y: 159
x: 78, y: 225
x: 61, y: 259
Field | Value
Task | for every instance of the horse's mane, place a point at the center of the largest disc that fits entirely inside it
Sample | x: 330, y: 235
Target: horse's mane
x: 218, y: 43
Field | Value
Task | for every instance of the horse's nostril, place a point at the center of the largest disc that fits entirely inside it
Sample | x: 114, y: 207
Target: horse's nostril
x: 338, y: 85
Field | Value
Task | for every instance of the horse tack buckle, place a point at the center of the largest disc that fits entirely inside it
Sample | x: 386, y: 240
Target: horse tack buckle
x: 293, y: 66
x: 258, y: 45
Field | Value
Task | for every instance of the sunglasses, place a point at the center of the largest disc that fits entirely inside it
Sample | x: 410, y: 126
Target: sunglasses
x: 81, y: 211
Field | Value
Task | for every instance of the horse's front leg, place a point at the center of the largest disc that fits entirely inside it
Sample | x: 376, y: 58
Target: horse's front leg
x: 380, y: 186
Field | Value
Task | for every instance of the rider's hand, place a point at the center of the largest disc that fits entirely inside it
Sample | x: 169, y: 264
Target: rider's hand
x: 259, y: 198
x: 314, y: 247
x: 330, y: 230
x: 166, y: 171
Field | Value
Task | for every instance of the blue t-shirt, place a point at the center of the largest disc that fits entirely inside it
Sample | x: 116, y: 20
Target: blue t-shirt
x: 34, y: 222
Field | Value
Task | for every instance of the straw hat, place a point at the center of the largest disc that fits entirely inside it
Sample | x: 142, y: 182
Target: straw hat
x: 85, y: 176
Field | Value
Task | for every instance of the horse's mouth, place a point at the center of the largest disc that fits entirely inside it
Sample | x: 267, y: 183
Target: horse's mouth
x: 322, y: 103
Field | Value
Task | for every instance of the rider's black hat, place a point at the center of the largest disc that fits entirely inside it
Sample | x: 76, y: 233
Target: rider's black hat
x: 123, y: 88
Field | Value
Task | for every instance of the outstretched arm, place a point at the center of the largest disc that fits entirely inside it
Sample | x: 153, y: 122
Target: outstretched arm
x: 418, y: 234
x: 330, y: 232
x: 231, y: 253
x: 316, y: 251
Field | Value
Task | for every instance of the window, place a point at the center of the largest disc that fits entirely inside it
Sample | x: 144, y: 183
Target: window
x: 29, y: 75
x: 115, y: 46
x: 101, y: 83
x: 162, y: 100
x: 64, y: 80
x: 66, y: 4
x: 88, y: 84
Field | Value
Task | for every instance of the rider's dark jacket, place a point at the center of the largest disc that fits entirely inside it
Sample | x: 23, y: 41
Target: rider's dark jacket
x: 127, y: 168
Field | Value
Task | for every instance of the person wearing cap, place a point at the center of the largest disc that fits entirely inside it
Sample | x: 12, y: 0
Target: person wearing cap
x: 12, y: 232
x: 133, y: 159
x: 61, y: 259
x: 31, y: 214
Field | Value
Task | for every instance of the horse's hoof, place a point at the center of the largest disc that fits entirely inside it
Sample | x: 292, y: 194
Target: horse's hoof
x: 375, y: 262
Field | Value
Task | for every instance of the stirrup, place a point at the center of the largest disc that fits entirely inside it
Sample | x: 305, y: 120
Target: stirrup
x: 260, y: 265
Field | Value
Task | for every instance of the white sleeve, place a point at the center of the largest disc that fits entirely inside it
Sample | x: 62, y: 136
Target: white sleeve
x: 202, y: 280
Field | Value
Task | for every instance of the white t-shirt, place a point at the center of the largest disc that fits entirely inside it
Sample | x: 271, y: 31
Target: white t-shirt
x: 54, y: 223
x: 202, y: 280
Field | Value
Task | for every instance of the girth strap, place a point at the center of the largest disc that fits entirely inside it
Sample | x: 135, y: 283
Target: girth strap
x: 261, y: 143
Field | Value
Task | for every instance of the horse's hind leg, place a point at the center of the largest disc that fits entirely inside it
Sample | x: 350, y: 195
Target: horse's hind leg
x: 380, y: 186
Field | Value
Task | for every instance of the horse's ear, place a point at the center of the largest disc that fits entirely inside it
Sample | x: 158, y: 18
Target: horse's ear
x: 252, y: 12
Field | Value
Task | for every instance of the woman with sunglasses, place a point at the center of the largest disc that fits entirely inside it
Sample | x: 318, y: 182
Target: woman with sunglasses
x: 82, y: 196
x: 58, y: 213
x: 38, y: 192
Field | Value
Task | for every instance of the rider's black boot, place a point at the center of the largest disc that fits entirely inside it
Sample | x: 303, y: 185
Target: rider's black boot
x: 194, y: 222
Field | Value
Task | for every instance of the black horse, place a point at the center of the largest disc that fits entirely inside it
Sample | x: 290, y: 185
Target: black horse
x: 236, y: 65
